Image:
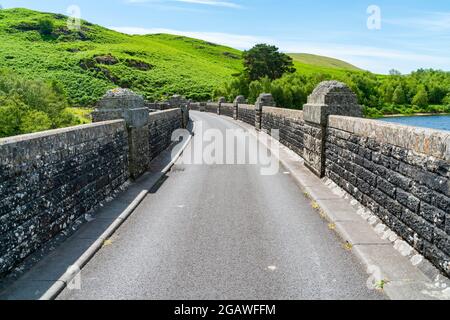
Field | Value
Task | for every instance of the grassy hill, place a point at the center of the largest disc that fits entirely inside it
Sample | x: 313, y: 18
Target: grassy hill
x: 94, y: 59
x: 90, y: 61
x: 321, y: 61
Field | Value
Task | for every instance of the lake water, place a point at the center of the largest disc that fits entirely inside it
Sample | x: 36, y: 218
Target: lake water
x: 434, y: 122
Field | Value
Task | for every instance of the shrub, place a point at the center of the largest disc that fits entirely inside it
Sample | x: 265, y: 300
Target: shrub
x: 45, y: 27
x: 35, y: 121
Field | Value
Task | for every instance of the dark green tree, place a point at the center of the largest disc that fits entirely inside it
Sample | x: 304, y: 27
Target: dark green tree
x: 421, y: 97
x: 399, y: 96
x: 395, y: 72
x: 266, y: 61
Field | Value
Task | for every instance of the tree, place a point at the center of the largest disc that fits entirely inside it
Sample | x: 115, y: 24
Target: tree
x: 421, y: 97
x: 394, y: 72
x: 46, y: 27
x: 399, y: 97
x: 446, y: 100
x: 266, y: 61
x: 31, y: 105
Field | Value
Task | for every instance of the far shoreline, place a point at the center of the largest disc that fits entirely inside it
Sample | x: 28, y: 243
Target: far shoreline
x: 414, y: 115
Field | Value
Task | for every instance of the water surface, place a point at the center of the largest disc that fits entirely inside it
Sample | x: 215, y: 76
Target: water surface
x: 441, y: 122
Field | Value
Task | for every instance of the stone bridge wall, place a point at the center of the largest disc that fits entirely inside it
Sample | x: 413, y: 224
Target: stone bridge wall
x: 227, y: 109
x: 195, y: 106
x: 289, y: 122
x: 161, y: 125
x: 51, y: 179
x: 401, y: 174
x: 212, y: 107
x: 246, y: 113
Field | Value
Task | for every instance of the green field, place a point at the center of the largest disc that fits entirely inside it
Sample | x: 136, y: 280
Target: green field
x: 94, y: 59
x: 312, y: 60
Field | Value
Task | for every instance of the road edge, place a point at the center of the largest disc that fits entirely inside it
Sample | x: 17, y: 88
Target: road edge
x: 426, y: 282
x: 53, y: 292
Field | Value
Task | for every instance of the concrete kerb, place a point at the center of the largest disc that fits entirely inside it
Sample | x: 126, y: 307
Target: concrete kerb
x: 398, y: 277
x: 60, y: 284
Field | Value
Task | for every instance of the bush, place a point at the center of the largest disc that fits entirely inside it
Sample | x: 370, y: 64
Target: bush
x: 45, y: 27
x: 372, y: 112
x: 11, y: 112
x: 35, y: 121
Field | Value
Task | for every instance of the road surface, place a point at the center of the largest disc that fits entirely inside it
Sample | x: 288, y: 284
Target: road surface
x: 224, y: 232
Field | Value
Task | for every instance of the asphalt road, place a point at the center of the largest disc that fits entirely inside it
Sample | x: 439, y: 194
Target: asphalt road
x: 224, y: 232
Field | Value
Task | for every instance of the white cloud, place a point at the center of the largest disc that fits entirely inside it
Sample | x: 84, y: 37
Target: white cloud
x: 434, y: 21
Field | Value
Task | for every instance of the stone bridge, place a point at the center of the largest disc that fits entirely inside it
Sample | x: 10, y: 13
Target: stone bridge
x: 135, y: 206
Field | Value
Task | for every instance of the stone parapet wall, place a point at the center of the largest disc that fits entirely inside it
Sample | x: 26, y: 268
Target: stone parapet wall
x: 246, y: 113
x: 49, y: 180
x: 290, y: 124
x: 161, y: 126
x: 212, y: 107
x: 195, y: 106
x: 227, y: 109
x: 400, y: 173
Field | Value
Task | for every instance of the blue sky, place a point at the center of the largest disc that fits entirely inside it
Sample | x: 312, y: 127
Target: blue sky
x: 412, y: 34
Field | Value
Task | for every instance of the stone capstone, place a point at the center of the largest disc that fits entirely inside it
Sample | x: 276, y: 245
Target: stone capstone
x: 265, y: 100
x: 239, y: 100
x: 176, y: 101
x: 120, y: 99
x: 331, y: 98
x: 113, y: 104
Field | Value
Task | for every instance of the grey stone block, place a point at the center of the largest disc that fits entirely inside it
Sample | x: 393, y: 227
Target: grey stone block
x: 331, y: 98
x: 136, y: 118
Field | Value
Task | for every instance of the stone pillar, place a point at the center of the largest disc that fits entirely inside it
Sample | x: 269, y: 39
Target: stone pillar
x: 125, y: 104
x: 184, y: 115
x: 221, y: 100
x: 202, y: 107
x: 176, y: 101
x: 328, y: 98
x: 138, y: 141
x: 239, y: 100
x: 264, y: 100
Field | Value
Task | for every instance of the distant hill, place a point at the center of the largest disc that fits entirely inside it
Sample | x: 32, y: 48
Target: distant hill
x: 321, y: 61
x: 94, y: 59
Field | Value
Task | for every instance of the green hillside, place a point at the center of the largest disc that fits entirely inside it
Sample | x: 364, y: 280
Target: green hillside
x: 94, y: 59
x: 321, y: 61
x: 90, y: 61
